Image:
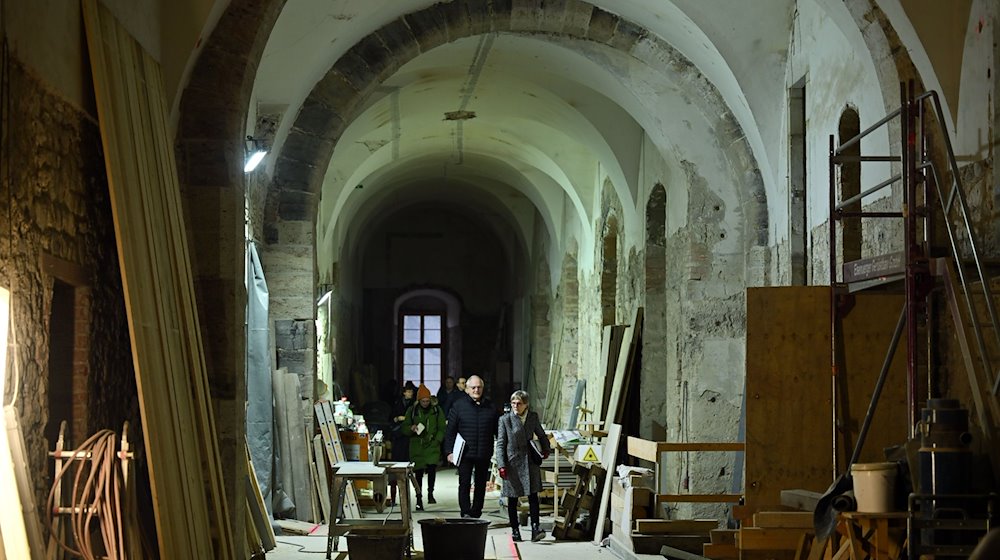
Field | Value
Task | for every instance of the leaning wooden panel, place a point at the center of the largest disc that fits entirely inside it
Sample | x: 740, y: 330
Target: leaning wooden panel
x: 867, y: 332
x: 185, y: 470
x: 788, y: 387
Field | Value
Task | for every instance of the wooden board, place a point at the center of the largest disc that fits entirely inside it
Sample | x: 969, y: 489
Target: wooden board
x: 755, y: 538
x: 257, y: 509
x: 610, y: 346
x: 319, y: 452
x: 296, y: 527
x: 688, y: 526
x: 623, y: 370
x: 298, y: 458
x: 651, y: 450
x: 611, y: 450
x: 804, y: 500
x: 335, y: 454
x: 788, y: 353
x: 784, y: 519
x: 720, y: 551
x: 285, y: 474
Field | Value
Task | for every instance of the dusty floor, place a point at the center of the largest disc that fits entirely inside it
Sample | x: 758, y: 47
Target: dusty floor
x: 499, y: 545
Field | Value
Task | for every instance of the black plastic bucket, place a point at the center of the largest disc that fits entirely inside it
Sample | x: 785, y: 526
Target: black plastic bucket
x: 377, y: 543
x: 454, y: 538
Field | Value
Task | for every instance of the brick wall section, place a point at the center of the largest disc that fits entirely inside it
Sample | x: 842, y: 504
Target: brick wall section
x: 57, y: 203
x: 81, y: 362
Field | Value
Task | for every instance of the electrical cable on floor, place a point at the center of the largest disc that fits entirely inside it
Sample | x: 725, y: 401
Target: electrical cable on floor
x: 302, y: 548
x: 95, y: 500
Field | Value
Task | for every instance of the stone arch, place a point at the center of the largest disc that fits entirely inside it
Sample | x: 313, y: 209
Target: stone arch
x: 332, y: 104
x: 209, y: 149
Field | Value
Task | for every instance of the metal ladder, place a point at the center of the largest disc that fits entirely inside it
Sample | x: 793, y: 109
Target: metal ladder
x: 931, y: 182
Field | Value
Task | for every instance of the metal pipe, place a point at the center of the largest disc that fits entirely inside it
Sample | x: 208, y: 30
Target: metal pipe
x: 833, y: 306
x: 909, y: 202
x: 877, y: 187
x: 956, y: 180
x: 871, y: 214
x: 866, y: 132
x: 889, y: 355
x: 848, y: 159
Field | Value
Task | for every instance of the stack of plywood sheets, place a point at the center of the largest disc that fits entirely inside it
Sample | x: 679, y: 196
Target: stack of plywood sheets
x: 190, y: 507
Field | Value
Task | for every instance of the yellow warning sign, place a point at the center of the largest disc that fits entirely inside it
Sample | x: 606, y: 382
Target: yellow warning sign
x: 590, y: 456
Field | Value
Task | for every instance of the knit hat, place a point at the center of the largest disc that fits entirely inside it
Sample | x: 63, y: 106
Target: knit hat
x: 423, y: 392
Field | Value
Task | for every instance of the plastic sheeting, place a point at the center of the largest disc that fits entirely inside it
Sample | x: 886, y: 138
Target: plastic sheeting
x: 260, y: 412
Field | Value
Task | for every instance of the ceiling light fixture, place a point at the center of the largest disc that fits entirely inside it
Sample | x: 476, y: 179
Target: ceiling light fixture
x: 257, y: 150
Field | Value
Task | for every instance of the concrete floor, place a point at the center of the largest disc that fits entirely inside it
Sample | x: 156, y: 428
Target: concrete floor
x: 499, y: 545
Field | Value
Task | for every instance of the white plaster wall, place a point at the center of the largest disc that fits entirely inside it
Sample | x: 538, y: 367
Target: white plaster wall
x: 839, y: 72
x: 976, y: 93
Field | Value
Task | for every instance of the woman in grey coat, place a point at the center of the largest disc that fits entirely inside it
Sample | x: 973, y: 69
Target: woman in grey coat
x: 518, y: 462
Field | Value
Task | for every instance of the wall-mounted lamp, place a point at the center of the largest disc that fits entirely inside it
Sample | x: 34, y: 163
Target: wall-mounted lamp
x: 257, y: 150
x: 324, y: 298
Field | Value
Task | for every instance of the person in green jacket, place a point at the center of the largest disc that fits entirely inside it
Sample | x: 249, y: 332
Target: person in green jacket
x: 424, y: 423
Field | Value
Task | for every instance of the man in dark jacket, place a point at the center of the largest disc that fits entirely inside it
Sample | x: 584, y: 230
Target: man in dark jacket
x: 475, y: 419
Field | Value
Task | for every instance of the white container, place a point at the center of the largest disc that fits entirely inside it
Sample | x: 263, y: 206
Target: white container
x: 874, y: 486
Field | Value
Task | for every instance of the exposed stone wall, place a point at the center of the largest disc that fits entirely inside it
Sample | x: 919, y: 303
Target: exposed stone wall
x: 653, y: 380
x: 290, y: 266
x: 56, y: 203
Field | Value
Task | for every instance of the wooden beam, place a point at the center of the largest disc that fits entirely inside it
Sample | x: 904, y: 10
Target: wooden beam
x: 66, y: 271
x: 675, y: 526
x: 784, y: 519
x: 805, y: 500
x: 699, y: 498
x: 755, y: 538
x: 651, y: 450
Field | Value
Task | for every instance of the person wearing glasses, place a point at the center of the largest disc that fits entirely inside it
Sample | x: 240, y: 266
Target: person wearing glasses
x: 474, y: 418
x: 521, y: 446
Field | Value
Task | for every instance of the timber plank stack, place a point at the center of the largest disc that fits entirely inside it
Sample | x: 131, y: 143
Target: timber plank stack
x: 190, y: 508
x: 768, y: 535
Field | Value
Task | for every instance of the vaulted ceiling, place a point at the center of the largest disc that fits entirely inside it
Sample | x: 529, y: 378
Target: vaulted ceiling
x: 526, y: 117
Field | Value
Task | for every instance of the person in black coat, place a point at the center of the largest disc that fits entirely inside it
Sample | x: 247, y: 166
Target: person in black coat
x: 474, y: 417
x: 400, y: 450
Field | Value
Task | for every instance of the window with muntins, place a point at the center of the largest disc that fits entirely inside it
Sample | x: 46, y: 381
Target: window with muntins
x: 423, y: 349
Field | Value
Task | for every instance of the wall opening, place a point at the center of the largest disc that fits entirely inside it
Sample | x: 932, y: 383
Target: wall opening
x: 850, y: 185
x: 427, y: 344
x: 652, y: 387
x: 797, y: 205
x: 609, y: 272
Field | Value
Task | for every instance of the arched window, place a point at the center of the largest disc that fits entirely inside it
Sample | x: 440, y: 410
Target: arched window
x: 850, y: 184
x: 422, y: 341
